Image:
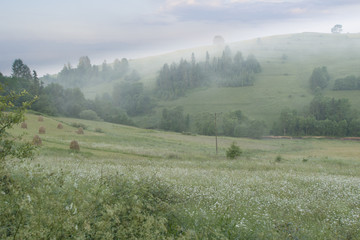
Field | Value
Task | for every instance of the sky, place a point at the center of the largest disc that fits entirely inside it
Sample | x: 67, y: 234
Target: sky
x: 46, y: 34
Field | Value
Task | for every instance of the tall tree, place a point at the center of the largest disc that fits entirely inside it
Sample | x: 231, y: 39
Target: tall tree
x: 84, y: 64
x: 35, y: 86
x: 337, y: 28
x: 319, y: 78
x: 20, y: 70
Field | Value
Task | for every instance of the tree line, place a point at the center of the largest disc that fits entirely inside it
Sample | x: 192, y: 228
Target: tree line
x: 55, y: 100
x: 347, y: 83
x: 320, y: 79
x: 233, y: 123
x: 226, y: 71
x: 324, y: 117
x: 86, y: 74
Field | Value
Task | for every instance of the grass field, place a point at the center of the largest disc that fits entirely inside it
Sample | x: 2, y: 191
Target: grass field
x: 130, y: 183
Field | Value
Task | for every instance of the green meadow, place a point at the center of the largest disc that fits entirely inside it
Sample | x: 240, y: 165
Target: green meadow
x: 131, y: 183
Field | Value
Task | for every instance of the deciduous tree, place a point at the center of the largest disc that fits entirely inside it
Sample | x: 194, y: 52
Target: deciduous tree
x: 10, y: 116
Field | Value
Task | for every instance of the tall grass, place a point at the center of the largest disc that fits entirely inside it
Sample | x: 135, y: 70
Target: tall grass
x: 40, y: 205
x: 129, y: 183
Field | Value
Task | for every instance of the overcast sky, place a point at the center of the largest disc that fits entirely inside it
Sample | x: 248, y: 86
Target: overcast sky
x: 46, y: 34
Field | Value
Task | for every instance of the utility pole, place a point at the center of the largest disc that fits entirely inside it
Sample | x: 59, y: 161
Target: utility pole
x: 216, y: 136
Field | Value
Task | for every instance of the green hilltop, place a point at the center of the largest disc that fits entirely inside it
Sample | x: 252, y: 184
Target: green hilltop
x: 287, y: 62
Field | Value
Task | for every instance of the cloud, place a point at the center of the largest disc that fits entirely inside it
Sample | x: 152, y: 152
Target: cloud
x: 298, y: 10
x: 42, y: 32
x: 250, y: 10
x: 227, y: 11
x: 171, y: 4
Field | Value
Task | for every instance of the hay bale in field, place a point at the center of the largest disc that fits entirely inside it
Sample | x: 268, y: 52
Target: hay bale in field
x: 37, y: 141
x: 40, y: 119
x: 42, y: 130
x: 80, y: 131
x: 74, y: 145
x: 24, y: 125
x: 60, y: 126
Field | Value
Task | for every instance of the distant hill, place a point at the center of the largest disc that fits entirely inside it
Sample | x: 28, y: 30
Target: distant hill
x: 287, y: 62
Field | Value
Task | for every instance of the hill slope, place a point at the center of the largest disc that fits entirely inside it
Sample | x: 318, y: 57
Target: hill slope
x: 287, y: 62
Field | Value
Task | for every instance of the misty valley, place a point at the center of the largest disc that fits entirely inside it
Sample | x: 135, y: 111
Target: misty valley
x: 257, y: 139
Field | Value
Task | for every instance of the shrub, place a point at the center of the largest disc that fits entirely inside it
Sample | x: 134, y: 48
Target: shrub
x: 74, y: 145
x: 233, y: 151
x: 80, y: 131
x: 99, y: 130
x: 11, y: 145
x: 24, y: 125
x: 319, y: 79
x: 89, y: 115
x: 278, y: 158
x: 40, y: 119
x: 60, y: 126
x: 78, y: 125
x: 37, y: 141
x: 115, y: 208
x: 42, y: 130
x: 187, y: 133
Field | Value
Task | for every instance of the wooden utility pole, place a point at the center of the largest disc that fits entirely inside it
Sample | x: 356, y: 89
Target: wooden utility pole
x: 216, y: 136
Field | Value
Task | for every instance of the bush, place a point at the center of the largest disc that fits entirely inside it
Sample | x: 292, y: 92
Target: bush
x: 42, y: 130
x: 319, y: 79
x: 74, y: 145
x: 23, y: 125
x: 78, y: 125
x: 99, y: 130
x: 37, y: 141
x: 89, y: 115
x: 11, y: 115
x: 233, y: 151
x: 114, y: 207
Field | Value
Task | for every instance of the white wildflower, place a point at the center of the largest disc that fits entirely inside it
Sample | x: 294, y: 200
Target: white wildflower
x: 28, y: 198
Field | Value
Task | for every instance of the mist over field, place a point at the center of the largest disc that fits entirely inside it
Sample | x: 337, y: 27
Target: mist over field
x: 185, y: 119
x: 46, y: 36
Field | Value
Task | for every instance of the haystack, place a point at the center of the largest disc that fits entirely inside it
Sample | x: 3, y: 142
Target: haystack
x: 80, y: 131
x: 60, y: 126
x: 37, y: 141
x: 74, y: 145
x: 24, y: 125
x: 42, y: 130
x: 40, y: 119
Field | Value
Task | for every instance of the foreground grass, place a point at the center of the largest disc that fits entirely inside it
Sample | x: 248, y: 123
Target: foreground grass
x: 129, y: 183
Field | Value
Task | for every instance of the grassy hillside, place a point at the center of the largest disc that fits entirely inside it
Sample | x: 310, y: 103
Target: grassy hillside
x: 287, y: 62
x: 133, y: 183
